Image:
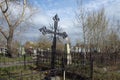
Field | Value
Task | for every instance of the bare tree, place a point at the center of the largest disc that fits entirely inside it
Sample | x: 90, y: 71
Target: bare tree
x: 11, y: 21
x: 97, y: 24
x: 81, y: 17
x: 44, y: 42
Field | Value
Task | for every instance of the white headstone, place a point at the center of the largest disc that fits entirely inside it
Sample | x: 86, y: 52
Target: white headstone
x: 35, y: 52
x: 69, y: 58
x: 22, y: 51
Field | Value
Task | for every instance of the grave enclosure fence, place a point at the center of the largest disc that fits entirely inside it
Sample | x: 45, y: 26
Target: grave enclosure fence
x: 23, y: 67
x: 76, y: 69
x: 29, y: 68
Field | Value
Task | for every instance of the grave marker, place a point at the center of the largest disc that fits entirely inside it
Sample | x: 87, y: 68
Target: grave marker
x: 55, y: 32
x: 68, y: 55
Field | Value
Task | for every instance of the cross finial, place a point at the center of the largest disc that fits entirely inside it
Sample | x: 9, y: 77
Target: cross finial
x: 56, y: 18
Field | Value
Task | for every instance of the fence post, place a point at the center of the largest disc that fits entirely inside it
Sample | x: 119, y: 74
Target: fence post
x: 37, y: 56
x: 24, y: 61
x: 63, y: 67
x: 91, y: 67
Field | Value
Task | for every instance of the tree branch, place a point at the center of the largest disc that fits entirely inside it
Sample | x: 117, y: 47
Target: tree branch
x: 4, y: 13
x: 22, y: 15
x: 7, y: 19
x: 3, y: 33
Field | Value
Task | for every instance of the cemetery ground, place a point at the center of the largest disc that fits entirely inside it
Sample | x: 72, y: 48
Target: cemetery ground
x: 75, y: 71
x: 19, y: 68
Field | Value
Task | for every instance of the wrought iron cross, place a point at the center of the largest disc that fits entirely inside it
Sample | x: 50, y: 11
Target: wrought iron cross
x: 44, y: 31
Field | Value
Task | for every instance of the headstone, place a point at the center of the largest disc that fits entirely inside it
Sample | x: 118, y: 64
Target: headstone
x: 69, y: 58
x: 79, y: 50
x: 3, y: 50
x: 76, y: 49
x: 34, y: 57
x: 35, y: 52
x: 22, y: 51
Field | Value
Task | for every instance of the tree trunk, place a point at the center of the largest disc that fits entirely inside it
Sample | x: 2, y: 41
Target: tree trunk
x: 9, y: 42
x: 9, y: 50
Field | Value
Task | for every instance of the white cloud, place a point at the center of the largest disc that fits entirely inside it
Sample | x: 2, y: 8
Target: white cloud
x: 40, y: 19
x: 66, y: 12
x: 96, y: 4
x: 67, y: 15
x: 112, y: 7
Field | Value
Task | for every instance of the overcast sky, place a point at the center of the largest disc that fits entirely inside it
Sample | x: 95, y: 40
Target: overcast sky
x: 66, y: 12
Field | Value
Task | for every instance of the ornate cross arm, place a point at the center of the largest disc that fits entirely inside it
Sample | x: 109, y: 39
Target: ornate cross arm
x: 44, y: 31
x: 64, y: 34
